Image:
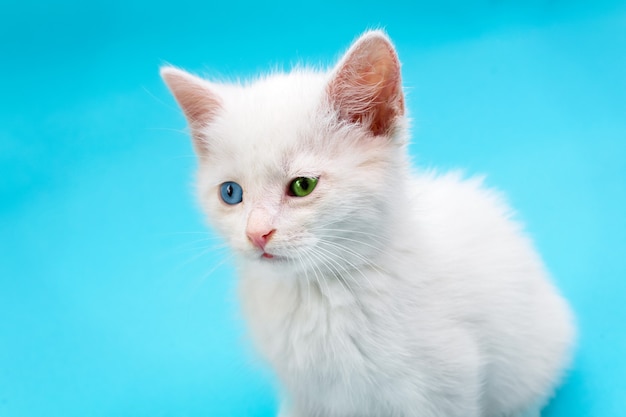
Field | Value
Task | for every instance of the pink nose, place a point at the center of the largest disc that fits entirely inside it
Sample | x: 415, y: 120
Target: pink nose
x: 260, y: 239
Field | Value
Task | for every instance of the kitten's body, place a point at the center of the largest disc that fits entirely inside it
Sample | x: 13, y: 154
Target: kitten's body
x: 454, y: 325
x: 383, y: 292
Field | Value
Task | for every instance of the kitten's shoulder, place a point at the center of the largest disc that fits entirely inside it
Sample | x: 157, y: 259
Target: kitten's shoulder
x: 456, y: 197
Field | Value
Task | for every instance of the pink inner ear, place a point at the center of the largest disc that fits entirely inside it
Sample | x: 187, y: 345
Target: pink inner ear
x: 193, y: 95
x: 367, y: 88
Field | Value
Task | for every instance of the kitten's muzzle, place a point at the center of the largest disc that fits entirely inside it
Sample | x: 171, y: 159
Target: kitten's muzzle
x: 259, y: 229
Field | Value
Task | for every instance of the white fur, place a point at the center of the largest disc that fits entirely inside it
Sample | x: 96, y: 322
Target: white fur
x: 392, y: 293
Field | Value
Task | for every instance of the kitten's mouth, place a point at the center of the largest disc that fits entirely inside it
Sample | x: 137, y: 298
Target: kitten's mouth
x: 271, y: 258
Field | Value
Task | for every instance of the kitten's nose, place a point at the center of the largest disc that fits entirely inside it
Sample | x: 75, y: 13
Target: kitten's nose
x: 260, y: 238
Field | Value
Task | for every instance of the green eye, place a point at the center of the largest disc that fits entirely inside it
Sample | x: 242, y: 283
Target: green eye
x: 302, y: 186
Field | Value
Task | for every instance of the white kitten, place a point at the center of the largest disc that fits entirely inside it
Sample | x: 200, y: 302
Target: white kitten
x: 372, y: 291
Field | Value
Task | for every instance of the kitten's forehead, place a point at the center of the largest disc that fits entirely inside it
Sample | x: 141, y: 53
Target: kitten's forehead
x: 264, y: 127
x: 271, y: 116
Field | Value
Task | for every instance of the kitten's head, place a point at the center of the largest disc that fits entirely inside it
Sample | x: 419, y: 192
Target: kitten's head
x: 302, y: 169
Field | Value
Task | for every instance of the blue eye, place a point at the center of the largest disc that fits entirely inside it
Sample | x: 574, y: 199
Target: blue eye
x: 231, y: 192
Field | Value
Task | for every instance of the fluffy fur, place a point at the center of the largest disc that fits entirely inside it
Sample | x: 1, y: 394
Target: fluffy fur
x: 389, y: 293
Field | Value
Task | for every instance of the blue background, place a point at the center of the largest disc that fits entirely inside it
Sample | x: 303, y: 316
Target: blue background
x: 115, y: 301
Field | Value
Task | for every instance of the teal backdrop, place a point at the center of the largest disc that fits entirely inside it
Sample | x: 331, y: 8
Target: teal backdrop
x: 114, y: 298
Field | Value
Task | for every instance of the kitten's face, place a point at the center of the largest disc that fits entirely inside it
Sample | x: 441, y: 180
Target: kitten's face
x: 348, y: 202
x: 290, y: 177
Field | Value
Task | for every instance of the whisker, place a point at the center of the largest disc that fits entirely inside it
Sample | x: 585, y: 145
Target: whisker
x: 168, y: 129
x: 348, y: 231
x: 356, y: 268
x: 315, y: 269
x: 200, y: 281
x: 381, y: 250
x: 305, y: 269
x: 308, y: 282
x: 360, y: 242
x: 215, y: 248
x: 350, y: 251
x: 338, y: 275
x: 202, y: 241
x: 190, y: 233
x: 330, y: 256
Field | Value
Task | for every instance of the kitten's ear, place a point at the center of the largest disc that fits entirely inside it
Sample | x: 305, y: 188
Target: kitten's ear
x: 195, y: 97
x: 366, y: 86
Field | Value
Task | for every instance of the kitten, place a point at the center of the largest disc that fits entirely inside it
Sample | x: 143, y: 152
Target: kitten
x: 371, y: 290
